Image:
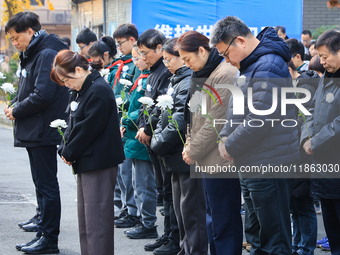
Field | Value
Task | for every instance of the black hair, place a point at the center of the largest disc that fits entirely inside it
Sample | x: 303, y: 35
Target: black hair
x: 66, y: 40
x: 106, y: 44
x: 315, y: 64
x: 278, y: 28
x: 307, y: 32
x: 22, y: 21
x: 170, y: 46
x: 296, y: 47
x: 331, y: 39
x: 291, y: 65
x: 125, y: 31
x: 151, y: 38
x: 86, y: 36
x: 228, y: 28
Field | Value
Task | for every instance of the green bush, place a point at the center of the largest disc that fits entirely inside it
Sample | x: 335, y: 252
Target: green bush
x: 318, y: 31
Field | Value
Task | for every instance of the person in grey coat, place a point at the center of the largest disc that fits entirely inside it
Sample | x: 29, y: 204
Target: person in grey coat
x: 324, y: 136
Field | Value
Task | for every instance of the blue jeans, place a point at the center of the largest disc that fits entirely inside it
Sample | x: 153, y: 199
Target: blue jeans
x: 224, y: 223
x: 144, y: 185
x: 304, y: 225
x: 267, y: 204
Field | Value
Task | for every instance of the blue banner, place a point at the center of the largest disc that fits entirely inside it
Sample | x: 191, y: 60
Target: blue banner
x: 173, y: 18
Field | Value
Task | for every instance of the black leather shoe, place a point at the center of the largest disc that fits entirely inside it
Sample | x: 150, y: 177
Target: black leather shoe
x: 35, y: 219
x: 127, y: 222
x: 170, y: 248
x: 142, y: 232
x: 32, y: 227
x: 19, y: 246
x: 158, y: 243
x: 122, y: 214
x: 43, y: 246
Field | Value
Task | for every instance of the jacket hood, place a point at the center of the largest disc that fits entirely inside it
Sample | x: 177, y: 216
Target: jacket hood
x: 270, y: 43
x: 180, y: 74
x: 309, y: 77
x: 42, y: 40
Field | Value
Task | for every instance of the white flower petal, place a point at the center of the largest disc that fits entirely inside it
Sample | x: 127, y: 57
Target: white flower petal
x: 330, y: 97
x: 104, y: 72
x: 119, y: 101
x: 58, y: 124
x: 8, y: 88
x: 74, y: 106
x: 2, y: 76
x: 148, y: 87
x: 125, y: 82
x: 125, y: 68
x: 195, y: 102
x: 165, y: 101
x: 146, y: 101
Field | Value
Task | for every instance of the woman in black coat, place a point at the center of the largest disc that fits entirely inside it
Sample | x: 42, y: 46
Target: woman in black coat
x: 188, y: 196
x: 93, y: 147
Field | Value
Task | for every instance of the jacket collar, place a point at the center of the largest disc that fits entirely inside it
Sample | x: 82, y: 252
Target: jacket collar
x: 156, y: 65
x: 88, y: 81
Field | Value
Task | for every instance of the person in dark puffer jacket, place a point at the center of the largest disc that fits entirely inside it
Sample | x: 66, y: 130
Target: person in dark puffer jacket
x: 262, y: 64
x: 39, y: 101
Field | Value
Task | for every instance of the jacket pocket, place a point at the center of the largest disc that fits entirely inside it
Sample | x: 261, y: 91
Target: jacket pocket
x: 29, y: 129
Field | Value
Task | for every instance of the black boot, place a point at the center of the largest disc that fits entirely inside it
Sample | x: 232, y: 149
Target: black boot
x: 19, y: 246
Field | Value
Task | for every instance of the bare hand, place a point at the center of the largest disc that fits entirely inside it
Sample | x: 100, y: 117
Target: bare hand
x: 186, y: 157
x: 66, y: 162
x: 8, y: 112
x: 142, y: 137
x: 122, y: 131
x: 307, y: 146
x: 223, y: 152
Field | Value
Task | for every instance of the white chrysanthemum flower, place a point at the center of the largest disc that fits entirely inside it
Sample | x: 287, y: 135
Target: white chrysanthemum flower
x: 164, y: 102
x: 264, y: 85
x: 146, y: 101
x: 330, y: 97
x: 195, y: 102
x: 125, y: 82
x: 241, y: 81
x: 8, y: 88
x: 104, y: 72
x: 58, y: 124
x: 148, y: 87
x: 125, y: 68
x: 119, y: 101
x: 74, y: 106
x: 170, y: 91
x: 24, y: 73
x: 2, y: 76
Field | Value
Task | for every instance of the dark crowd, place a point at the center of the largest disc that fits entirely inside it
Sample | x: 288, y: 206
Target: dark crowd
x: 134, y: 116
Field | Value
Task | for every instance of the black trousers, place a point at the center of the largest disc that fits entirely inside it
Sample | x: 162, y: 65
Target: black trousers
x: 331, y: 220
x: 43, y: 162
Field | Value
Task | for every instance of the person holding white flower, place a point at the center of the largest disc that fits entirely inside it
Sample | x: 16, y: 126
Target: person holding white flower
x: 187, y: 193
x: 93, y: 147
x: 222, y: 195
x: 38, y: 102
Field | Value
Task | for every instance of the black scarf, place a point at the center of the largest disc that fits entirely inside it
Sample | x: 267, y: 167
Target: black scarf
x: 213, y: 61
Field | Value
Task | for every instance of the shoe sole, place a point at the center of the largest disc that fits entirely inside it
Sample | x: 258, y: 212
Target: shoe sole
x: 43, y: 252
x: 144, y: 237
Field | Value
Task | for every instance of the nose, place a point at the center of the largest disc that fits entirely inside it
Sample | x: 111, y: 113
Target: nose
x: 187, y: 64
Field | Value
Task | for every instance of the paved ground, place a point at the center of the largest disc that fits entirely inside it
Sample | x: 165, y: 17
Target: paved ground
x: 17, y: 203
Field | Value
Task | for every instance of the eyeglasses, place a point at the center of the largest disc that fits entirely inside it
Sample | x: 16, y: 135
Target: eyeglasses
x: 120, y: 44
x: 135, y: 59
x: 82, y: 47
x: 143, y: 54
x: 167, y: 62
x: 224, y: 55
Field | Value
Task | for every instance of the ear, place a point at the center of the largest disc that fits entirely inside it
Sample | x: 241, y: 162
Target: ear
x: 202, y: 51
x: 78, y: 70
x: 159, y: 48
x: 241, y: 40
x: 132, y: 39
x: 30, y: 32
x: 298, y: 56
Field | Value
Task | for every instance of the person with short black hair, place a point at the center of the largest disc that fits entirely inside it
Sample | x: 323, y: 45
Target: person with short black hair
x: 85, y: 39
x: 39, y: 102
x: 262, y: 64
x: 66, y: 40
x: 281, y: 32
x: 316, y: 65
x: 297, y: 54
x: 306, y: 38
x: 321, y: 136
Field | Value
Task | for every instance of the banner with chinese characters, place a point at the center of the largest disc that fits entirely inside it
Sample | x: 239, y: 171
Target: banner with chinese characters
x: 174, y: 18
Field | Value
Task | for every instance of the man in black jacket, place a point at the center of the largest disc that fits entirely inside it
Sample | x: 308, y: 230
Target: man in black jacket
x: 38, y: 102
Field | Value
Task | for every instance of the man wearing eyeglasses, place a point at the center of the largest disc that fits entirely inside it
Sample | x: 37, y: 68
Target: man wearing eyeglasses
x: 85, y: 39
x: 261, y: 61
